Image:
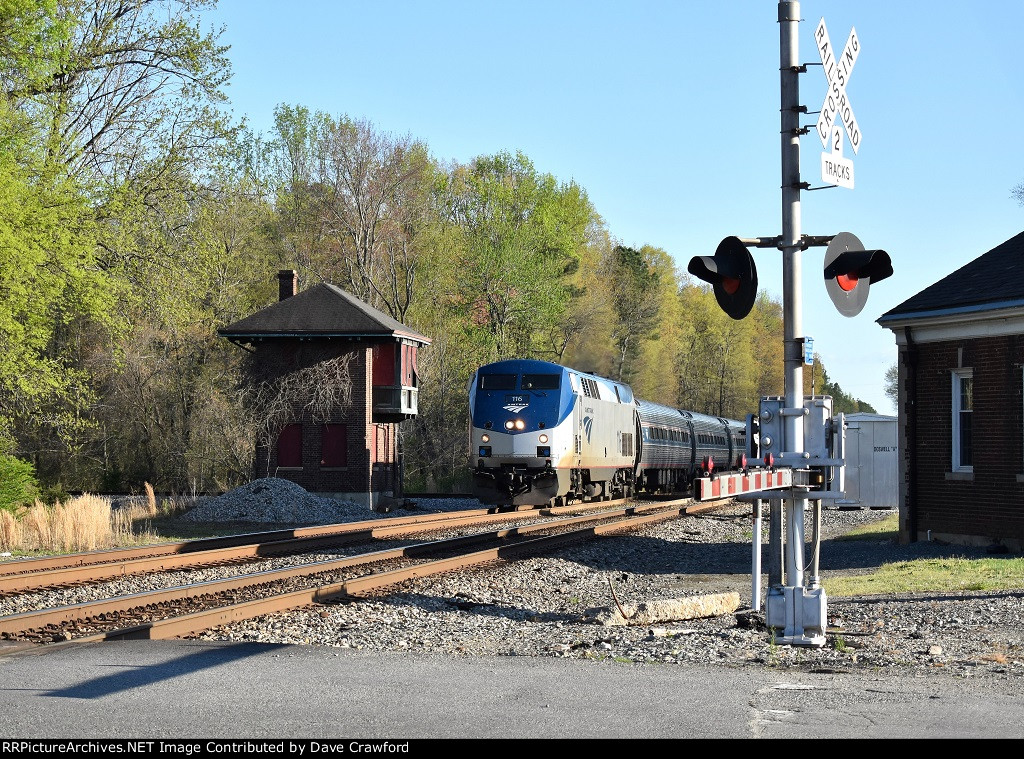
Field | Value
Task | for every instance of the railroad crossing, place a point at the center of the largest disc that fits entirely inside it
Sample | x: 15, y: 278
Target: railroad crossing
x: 795, y: 442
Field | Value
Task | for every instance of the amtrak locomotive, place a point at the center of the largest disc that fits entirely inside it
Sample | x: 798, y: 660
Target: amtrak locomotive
x: 544, y: 434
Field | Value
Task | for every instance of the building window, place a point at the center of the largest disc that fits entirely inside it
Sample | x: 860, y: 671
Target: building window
x: 289, y: 446
x: 963, y: 412
x: 334, y: 442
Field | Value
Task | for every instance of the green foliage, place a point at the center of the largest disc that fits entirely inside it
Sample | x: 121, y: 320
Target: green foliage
x: 53, y: 293
x: 635, y: 296
x: 718, y: 366
x: 519, y: 242
x: 136, y: 219
x: 28, y: 27
x: 18, y: 486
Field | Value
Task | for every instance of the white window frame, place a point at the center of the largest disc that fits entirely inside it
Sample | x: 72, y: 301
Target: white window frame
x: 959, y: 375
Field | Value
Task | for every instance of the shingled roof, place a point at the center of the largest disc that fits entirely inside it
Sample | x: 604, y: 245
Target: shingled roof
x: 992, y: 281
x: 323, y: 310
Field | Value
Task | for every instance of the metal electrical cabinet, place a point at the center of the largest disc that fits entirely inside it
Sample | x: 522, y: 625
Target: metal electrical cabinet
x: 872, y: 463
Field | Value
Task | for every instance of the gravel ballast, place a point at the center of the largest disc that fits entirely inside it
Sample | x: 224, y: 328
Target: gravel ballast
x: 569, y: 604
x: 553, y: 605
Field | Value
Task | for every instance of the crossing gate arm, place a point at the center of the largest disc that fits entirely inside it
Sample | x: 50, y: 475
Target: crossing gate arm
x: 737, y: 483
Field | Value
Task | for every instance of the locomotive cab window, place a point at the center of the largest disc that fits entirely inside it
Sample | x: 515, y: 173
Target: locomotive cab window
x: 541, y: 381
x: 497, y: 381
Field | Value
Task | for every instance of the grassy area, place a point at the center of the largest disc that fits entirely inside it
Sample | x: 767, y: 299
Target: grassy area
x: 922, y: 575
x: 884, y: 529
x: 88, y: 523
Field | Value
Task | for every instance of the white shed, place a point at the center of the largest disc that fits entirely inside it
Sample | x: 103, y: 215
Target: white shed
x: 872, y: 464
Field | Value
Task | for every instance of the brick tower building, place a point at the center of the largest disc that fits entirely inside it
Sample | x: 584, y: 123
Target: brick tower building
x: 348, y: 450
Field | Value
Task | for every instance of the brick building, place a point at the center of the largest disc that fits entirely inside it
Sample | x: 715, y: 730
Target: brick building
x: 350, y: 449
x: 961, y: 403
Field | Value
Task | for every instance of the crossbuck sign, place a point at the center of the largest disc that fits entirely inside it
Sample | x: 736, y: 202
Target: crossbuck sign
x: 837, y: 72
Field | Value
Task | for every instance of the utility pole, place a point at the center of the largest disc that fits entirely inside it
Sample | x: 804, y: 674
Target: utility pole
x: 797, y: 458
x: 800, y: 611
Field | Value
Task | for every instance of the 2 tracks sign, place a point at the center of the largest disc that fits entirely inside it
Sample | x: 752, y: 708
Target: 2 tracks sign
x: 836, y: 110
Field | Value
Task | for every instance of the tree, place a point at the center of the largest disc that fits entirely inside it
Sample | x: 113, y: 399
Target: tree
x: 634, y: 287
x: 118, y: 84
x: 892, y: 385
x: 356, y: 203
x: 519, y: 239
x: 54, y: 298
x: 110, y: 121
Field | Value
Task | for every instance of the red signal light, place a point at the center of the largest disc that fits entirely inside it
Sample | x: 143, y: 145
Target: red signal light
x: 850, y: 270
x: 732, y: 274
x: 847, y: 282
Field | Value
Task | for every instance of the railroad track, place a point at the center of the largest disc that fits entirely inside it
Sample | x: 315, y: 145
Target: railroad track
x: 185, y: 610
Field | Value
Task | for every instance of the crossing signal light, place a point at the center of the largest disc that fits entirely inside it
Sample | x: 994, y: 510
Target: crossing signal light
x: 850, y: 270
x: 732, y: 273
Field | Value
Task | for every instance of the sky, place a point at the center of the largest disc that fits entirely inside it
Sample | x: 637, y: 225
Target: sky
x: 666, y: 112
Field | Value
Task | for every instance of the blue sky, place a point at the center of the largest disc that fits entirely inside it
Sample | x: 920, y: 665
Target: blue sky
x: 667, y: 114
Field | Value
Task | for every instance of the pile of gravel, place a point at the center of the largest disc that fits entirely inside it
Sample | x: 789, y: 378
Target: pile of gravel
x: 278, y: 501
x: 273, y: 499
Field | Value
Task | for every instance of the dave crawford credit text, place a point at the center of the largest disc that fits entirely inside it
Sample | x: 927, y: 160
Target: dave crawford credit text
x: 188, y: 748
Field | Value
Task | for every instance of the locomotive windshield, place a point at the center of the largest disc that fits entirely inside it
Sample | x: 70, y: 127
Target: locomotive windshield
x: 498, y: 381
x: 541, y: 381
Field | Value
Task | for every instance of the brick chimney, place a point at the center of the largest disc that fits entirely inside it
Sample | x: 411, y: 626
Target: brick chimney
x: 288, y: 283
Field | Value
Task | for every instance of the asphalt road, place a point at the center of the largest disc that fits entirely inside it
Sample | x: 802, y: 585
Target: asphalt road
x: 201, y: 690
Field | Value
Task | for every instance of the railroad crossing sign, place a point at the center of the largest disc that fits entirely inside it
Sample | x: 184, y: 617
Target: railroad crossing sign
x: 836, y: 108
x: 834, y: 168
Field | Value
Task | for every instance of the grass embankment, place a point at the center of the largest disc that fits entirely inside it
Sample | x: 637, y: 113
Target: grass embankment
x: 922, y: 575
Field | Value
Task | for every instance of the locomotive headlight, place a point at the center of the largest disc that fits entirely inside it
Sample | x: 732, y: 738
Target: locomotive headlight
x: 543, y: 438
x: 509, y: 424
x: 485, y: 438
x: 520, y: 424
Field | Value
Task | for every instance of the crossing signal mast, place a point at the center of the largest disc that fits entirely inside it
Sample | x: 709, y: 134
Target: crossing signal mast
x: 799, y: 440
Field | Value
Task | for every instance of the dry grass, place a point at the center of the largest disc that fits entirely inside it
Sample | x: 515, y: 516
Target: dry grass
x: 151, y: 509
x: 10, y: 530
x: 81, y: 524
x: 84, y: 523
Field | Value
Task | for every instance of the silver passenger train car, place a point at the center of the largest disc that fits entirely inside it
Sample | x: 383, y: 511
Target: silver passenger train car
x: 546, y: 434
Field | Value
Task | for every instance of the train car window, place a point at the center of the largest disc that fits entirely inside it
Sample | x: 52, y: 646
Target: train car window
x: 497, y: 381
x: 541, y: 381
